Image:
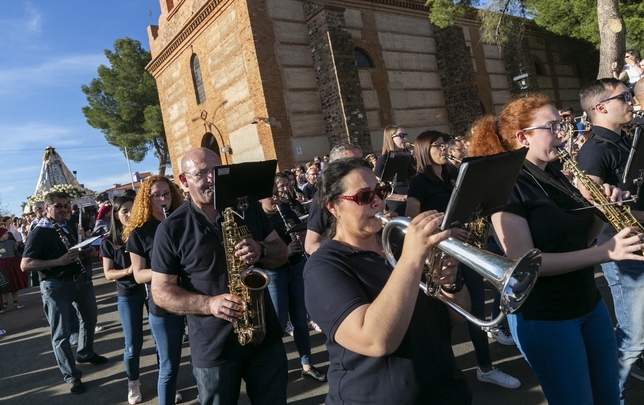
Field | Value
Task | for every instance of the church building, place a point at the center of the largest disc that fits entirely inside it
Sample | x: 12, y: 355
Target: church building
x: 289, y: 79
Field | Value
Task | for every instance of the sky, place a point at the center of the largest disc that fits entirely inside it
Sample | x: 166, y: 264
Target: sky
x: 48, y: 49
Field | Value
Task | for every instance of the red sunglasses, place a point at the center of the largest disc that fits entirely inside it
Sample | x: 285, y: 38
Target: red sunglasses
x: 366, y: 196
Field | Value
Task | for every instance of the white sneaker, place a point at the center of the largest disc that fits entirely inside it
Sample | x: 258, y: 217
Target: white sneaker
x: 503, y: 336
x: 98, y: 328
x: 289, y: 328
x: 133, y: 392
x: 498, y: 377
x: 314, y: 326
x: 73, y: 339
x: 177, y: 397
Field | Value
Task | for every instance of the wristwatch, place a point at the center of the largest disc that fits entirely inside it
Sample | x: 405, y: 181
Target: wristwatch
x: 456, y: 287
x: 263, y: 253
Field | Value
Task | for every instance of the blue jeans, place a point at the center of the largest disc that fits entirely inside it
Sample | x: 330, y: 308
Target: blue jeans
x: 265, y: 373
x: 130, y: 309
x: 167, y: 332
x: 286, y: 288
x: 57, y: 299
x: 626, y: 282
x: 474, y: 283
x: 575, y: 360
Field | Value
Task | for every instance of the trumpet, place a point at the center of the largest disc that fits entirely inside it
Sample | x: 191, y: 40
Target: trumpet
x: 514, y: 279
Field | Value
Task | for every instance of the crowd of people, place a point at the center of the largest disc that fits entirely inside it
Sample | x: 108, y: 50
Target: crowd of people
x: 317, y: 241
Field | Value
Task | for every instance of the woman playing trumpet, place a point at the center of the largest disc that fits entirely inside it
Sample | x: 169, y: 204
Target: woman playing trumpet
x: 388, y: 342
x: 563, y: 329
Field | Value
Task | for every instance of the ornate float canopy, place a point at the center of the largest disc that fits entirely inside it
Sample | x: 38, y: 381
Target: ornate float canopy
x: 55, y: 176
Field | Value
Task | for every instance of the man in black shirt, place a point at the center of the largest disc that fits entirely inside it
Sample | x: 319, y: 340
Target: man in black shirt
x: 603, y: 157
x: 63, y: 281
x: 311, y: 177
x: 189, y: 277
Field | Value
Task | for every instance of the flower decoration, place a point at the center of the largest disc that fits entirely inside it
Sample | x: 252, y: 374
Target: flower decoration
x: 73, y: 192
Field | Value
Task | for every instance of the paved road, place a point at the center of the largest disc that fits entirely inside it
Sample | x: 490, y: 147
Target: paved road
x: 29, y: 375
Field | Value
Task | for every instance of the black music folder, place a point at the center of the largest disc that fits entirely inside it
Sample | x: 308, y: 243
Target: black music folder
x: 483, y: 187
x: 237, y: 184
x: 397, y: 164
x: 635, y: 161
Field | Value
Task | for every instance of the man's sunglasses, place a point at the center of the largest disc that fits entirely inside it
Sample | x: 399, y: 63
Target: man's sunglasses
x: 366, y: 196
x: 626, y: 97
x: 59, y: 206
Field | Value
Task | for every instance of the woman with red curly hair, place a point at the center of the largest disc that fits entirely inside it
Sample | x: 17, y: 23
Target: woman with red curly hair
x: 563, y: 329
x: 157, y: 197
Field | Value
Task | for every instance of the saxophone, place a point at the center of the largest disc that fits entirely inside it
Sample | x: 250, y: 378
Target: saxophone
x: 246, y: 282
x: 479, y: 231
x: 619, y: 216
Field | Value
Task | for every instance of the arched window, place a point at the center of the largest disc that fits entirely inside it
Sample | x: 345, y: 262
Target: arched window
x: 363, y: 59
x: 197, y: 80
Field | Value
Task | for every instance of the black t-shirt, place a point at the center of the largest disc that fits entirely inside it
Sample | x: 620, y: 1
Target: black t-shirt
x: 141, y: 242
x: 125, y: 285
x: 45, y: 244
x: 337, y: 280
x: 604, y: 155
x: 555, y: 229
x: 278, y: 224
x: 432, y: 196
x: 189, y: 246
x: 309, y: 191
x: 316, y: 220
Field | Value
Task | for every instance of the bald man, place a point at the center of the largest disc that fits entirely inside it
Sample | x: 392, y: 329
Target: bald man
x: 190, y: 277
x: 638, y: 91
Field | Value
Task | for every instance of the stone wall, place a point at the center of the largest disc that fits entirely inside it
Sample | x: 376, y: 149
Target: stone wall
x: 457, y: 76
x: 336, y: 74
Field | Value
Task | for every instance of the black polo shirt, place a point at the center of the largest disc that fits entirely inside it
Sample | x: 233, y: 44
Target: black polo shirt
x: 141, y: 242
x: 432, y: 196
x: 189, y: 246
x: 45, y: 244
x: 337, y: 280
x: 605, y: 155
x: 125, y: 285
x: 555, y: 229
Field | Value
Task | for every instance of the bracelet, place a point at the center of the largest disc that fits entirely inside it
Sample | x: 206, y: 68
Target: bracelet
x: 457, y: 286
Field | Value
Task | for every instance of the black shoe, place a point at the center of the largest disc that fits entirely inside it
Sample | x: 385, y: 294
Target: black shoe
x: 314, y: 373
x: 95, y: 359
x: 76, y: 387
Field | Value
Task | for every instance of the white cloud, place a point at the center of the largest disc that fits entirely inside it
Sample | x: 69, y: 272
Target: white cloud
x: 55, y: 72
x: 23, y: 137
x: 22, y: 28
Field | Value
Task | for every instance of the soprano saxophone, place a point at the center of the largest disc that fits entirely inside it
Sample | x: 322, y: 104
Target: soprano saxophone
x: 619, y: 216
x: 246, y: 282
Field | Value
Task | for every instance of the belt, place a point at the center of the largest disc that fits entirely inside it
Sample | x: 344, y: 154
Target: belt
x: 73, y: 277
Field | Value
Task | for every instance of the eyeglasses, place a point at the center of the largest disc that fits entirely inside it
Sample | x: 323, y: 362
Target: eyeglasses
x: 439, y: 145
x: 59, y: 206
x: 400, y: 135
x: 626, y: 97
x: 200, y: 174
x: 166, y: 196
x: 365, y: 197
x: 554, y: 127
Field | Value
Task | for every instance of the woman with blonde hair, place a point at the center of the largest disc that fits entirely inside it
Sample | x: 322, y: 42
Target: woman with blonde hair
x: 157, y: 197
x: 563, y: 329
x: 395, y: 140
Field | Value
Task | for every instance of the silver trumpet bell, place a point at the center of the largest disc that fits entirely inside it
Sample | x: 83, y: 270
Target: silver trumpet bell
x: 514, y: 279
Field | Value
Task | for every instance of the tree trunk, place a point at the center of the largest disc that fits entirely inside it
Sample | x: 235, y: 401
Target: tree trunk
x: 612, y: 34
x: 162, y: 154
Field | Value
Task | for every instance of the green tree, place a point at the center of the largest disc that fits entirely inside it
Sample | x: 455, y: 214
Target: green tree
x: 124, y: 103
x: 579, y: 19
